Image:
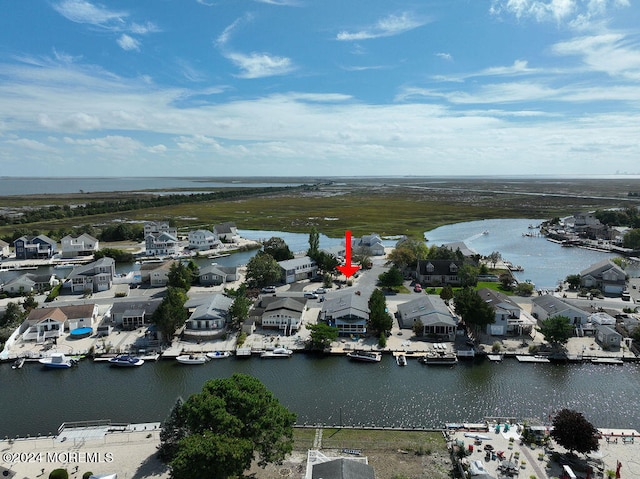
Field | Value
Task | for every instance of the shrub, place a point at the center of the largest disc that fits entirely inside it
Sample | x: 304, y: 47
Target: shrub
x: 496, y: 347
x: 59, y: 474
x: 87, y: 475
x: 382, y: 341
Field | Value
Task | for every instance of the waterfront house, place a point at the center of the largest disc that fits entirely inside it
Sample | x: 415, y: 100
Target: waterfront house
x: 83, y: 245
x: 209, y: 318
x: 283, y: 314
x: 159, y: 273
x: 34, y: 247
x: 161, y: 244
x: 93, y: 277
x: 436, y: 272
x: 342, y: 468
x: 462, y: 248
x: 608, y: 337
x: 348, y: 312
x: 29, y: 283
x: 509, y: 317
x: 5, y: 251
x: 297, y: 269
x: 368, y: 244
x: 45, y: 323
x: 548, y: 305
x: 203, y: 240
x: 215, y: 274
x: 438, y: 321
x: 133, y: 314
x: 337, y: 251
x: 606, y: 276
x: 226, y: 232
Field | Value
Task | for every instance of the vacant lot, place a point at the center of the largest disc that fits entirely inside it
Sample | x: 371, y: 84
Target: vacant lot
x: 392, y: 454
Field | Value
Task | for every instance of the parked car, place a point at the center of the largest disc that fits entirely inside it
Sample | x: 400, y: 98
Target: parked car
x: 310, y: 295
x: 269, y: 289
x: 417, y: 288
x: 320, y: 291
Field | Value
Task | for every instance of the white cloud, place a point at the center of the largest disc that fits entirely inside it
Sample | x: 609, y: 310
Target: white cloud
x: 572, y: 11
x: 81, y: 11
x: 128, y: 43
x: 445, y: 56
x: 30, y: 144
x: 259, y: 65
x: 385, y: 27
x: 283, y: 3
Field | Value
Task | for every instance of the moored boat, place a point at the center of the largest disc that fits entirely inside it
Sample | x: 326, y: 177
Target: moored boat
x: 57, y: 361
x: 401, y: 359
x: 18, y: 363
x: 219, y: 355
x: 192, y: 359
x: 367, y: 356
x: 277, y: 353
x: 126, y: 361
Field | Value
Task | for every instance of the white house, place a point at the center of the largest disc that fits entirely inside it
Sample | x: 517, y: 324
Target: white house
x: 94, y: 277
x: 436, y: 317
x: 548, y: 305
x: 209, y: 319
x: 283, y: 314
x: 157, y: 227
x: 83, y: 245
x: 45, y: 323
x: 161, y: 244
x: 29, y: 282
x: 5, y: 250
x: 159, y: 276
x: 370, y: 244
x: 203, y: 240
x: 349, y: 313
x: 227, y: 232
x: 297, y: 269
x: 509, y: 317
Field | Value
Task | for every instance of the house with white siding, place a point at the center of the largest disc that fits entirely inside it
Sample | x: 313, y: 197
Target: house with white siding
x: 348, y: 312
x: 298, y: 269
x: 83, y: 245
x: 203, y: 240
x: 209, y: 319
x: 96, y: 276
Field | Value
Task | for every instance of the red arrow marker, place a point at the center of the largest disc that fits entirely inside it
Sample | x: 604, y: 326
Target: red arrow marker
x: 348, y: 269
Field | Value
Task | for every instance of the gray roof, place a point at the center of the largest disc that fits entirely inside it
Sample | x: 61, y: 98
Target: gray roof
x: 599, y: 268
x: 460, y: 245
x: 148, y: 306
x: 342, y: 468
x: 89, y: 269
x: 498, y: 300
x: 285, y: 303
x: 554, y: 305
x: 424, y: 304
x: 293, y: 263
x: 345, y: 305
x: 217, y: 269
x: 217, y: 307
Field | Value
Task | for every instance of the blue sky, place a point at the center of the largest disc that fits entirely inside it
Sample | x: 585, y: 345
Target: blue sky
x: 319, y: 87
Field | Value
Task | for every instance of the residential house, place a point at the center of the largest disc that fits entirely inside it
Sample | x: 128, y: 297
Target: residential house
x: 157, y: 227
x: 161, y: 244
x: 46, y: 323
x: 4, y: 249
x: 30, y: 283
x: 368, y: 244
x: 209, y: 319
x: 298, y: 269
x: 226, y: 232
x: 83, y: 245
x: 133, y: 314
x: 215, y: 274
x: 606, y: 276
x: 94, y: 277
x: 548, y: 305
x: 509, y: 317
x: 34, y: 247
x: 337, y: 251
x: 608, y: 337
x: 159, y: 273
x: 436, y: 272
x: 587, y: 225
x: 203, y: 240
x: 283, y: 314
x: 342, y: 468
x: 348, y: 312
x: 437, y: 319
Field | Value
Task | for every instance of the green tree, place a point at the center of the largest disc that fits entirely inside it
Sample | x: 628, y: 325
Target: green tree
x: 262, y: 270
x: 321, y: 336
x: 505, y: 280
x: 173, y: 430
x: 326, y: 262
x: 13, y: 315
x: 407, y: 254
x: 631, y: 239
x: 574, y: 281
x: 446, y: 293
x: 277, y: 248
x: 524, y: 289
x: 573, y: 432
x: 314, y: 243
x: 229, y: 423
x: 120, y: 256
x: 468, y: 275
x: 556, y: 329
x: 494, y: 257
x: 239, y: 310
x: 171, y: 314
x: 475, y: 312
x: 29, y: 303
x: 391, y: 278
x: 418, y: 327
x: 180, y: 276
x: 379, y: 318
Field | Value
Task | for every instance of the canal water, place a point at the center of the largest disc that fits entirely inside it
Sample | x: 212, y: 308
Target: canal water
x: 326, y: 390
x: 333, y: 390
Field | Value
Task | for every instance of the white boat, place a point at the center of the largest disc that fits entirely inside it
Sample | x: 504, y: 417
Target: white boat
x: 367, y: 356
x: 192, y: 359
x: 401, y: 359
x: 126, y: 361
x: 18, y: 363
x: 219, y: 355
x: 57, y: 361
x: 440, y: 358
x: 277, y: 353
